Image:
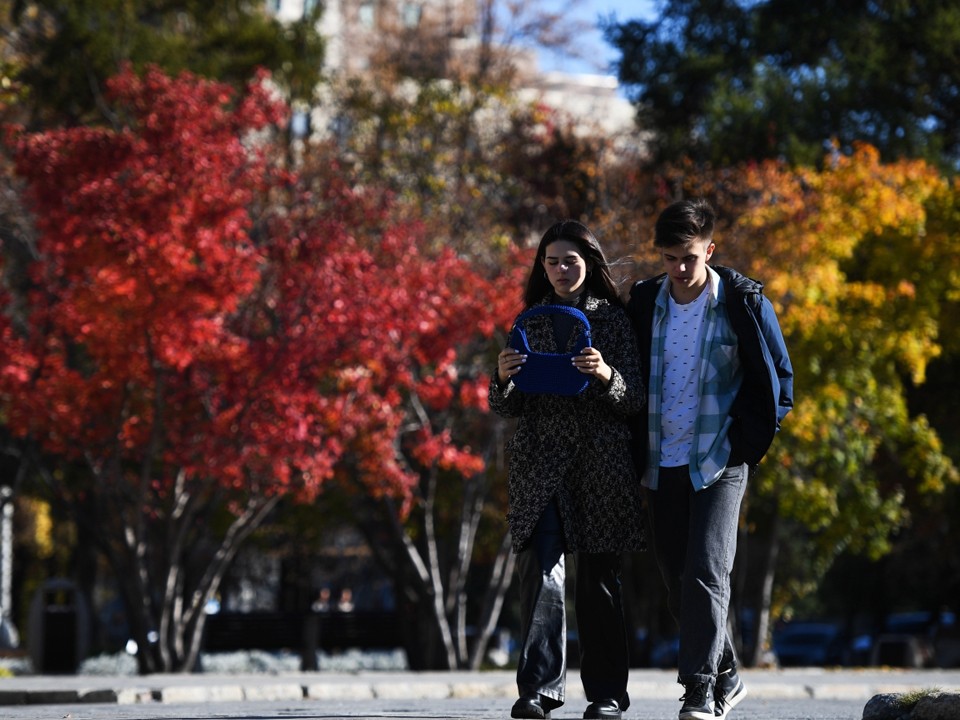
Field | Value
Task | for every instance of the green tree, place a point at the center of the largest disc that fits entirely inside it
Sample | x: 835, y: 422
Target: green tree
x: 68, y: 48
x: 484, y: 170
x: 726, y: 80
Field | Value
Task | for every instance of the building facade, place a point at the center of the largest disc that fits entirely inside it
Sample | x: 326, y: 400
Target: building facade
x: 438, y: 38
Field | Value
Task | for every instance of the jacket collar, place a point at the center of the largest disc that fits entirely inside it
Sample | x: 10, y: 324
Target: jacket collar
x: 714, y: 287
x: 587, y: 302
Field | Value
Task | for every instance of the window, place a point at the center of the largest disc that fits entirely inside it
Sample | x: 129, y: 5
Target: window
x: 367, y: 14
x: 411, y: 13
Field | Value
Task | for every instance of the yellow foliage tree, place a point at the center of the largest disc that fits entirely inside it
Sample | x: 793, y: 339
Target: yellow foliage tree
x: 862, y: 262
x: 860, y: 258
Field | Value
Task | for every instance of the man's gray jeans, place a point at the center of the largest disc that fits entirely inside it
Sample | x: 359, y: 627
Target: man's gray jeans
x: 695, y: 542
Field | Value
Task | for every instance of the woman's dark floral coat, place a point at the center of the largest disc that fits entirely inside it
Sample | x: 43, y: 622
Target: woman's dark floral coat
x: 576, y: 448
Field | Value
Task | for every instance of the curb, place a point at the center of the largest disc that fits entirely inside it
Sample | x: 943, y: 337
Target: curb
x: 801, y: 684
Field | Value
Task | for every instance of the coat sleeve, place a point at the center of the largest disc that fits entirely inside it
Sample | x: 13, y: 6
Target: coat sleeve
x: 505, y: 400
x: 779, y: 357
x: 625, y: 392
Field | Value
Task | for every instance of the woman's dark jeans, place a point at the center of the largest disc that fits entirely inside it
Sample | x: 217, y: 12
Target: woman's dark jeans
x: 604, y: 658
x: 695, y: 541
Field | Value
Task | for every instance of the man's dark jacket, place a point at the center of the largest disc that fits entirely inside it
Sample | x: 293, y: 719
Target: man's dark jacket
x: 766, y: 395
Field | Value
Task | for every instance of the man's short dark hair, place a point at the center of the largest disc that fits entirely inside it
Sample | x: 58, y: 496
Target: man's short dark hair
x: 683, y: 222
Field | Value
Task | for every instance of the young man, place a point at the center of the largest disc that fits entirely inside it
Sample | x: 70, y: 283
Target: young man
x: 719, y: 383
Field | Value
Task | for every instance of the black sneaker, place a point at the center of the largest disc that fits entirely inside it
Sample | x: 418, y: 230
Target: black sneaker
x: 728, y: 691
x: 697, y: 702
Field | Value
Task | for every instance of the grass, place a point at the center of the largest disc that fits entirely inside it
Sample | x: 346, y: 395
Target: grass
x: 909, y: 699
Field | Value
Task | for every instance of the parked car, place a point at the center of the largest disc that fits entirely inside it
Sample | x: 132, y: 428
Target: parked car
x: 910, y: 639
x: 807, y: 643
x: 946, y: 641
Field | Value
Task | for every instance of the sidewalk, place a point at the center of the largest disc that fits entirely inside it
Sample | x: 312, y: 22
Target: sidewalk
x: 816, y: 683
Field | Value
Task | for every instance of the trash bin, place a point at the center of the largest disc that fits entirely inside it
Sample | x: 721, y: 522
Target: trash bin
x: 59, y: 628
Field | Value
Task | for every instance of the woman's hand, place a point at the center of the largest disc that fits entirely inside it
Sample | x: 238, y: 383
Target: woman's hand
x: 509, y: 362
x: 590, y: 362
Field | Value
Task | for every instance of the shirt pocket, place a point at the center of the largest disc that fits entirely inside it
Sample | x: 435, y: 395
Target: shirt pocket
x: 723, y: 364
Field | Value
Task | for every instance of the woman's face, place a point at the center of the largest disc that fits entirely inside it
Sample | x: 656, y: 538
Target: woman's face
x: 566, y: 268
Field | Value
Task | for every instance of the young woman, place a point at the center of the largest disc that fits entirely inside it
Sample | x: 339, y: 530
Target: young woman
x: 573, y: 488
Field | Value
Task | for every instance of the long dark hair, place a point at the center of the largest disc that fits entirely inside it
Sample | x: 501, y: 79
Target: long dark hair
x: 599, y: 281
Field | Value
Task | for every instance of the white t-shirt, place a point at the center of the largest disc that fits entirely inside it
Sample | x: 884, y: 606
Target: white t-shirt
x: 681, y: 365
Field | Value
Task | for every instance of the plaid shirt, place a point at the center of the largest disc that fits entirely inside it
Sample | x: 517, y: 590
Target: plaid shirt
x: 719, y: 380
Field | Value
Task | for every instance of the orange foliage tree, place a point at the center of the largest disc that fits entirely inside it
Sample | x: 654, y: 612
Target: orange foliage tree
x: 196, y: 341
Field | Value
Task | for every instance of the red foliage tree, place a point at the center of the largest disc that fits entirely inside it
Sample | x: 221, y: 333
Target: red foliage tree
x: 417, y: 370
x: 203, y: 335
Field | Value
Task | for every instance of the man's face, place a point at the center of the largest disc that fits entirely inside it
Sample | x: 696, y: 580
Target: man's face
x: 686, y: 265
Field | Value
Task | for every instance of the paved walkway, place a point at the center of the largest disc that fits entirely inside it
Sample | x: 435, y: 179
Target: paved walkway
x: 819, y: 684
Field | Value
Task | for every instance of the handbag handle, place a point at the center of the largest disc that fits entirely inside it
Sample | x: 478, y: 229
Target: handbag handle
x: 550, y: 373
x: 519, y: 331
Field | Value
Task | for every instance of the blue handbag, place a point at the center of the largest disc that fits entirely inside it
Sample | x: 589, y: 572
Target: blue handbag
x: 549, y: 373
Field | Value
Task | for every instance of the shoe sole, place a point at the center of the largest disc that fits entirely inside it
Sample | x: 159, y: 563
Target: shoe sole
x: 529, y: 711
x: 696, y: 715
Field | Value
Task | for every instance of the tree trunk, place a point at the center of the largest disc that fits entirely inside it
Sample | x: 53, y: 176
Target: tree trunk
x: 165, y: 553
x: 500, y: 580
x: 762, y: 619
x: 430, y: 608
